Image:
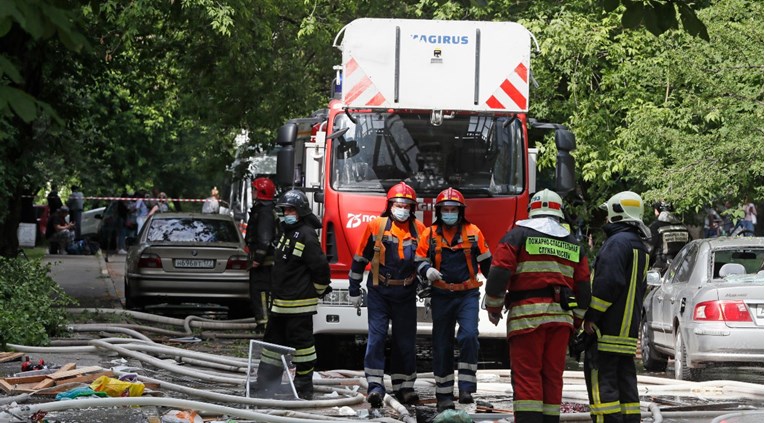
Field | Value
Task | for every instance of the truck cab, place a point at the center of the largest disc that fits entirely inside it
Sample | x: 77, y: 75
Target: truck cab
x: 435, y: 104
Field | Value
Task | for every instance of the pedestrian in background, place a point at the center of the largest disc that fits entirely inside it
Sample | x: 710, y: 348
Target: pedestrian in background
x: 76, y: 204
x: 300, y: 277
x: 540, y: 273
x: 390, y: 243
x: 63, y: 231
x: 212, y: 204
x: 262, y: 229
x: 750, y: 217
x: 449, y: 255
x: 618, y: 286
x: 140, y: 209
x: 160, y: 206
x: 54, y: 201
x: 712, y: 223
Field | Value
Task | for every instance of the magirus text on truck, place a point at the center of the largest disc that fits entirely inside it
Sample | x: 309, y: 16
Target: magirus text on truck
x: 431, y: 103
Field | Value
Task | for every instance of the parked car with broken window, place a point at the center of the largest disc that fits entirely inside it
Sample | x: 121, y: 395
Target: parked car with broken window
x: 188, y: 258
x: 707, y: 309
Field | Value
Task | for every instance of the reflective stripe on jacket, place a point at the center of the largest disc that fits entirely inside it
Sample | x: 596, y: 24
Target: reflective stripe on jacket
x: 534, y: 261
x: 618, y: 287
x: 300, y: 273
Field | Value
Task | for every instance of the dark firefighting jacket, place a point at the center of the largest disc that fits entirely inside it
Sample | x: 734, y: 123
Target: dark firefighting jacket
x: 618, y: 287
x: 301, y: 271
x: 262, y: 231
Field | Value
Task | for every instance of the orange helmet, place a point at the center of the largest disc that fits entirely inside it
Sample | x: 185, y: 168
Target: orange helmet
x: 264, y: 189
x: 401, y: 192
x: 450, y: 197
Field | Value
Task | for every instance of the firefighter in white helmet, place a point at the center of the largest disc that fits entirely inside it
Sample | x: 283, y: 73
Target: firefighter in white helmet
x: 613, y: 317
x: 540, y: 273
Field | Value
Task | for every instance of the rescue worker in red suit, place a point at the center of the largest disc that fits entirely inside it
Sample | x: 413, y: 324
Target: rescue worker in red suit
x: 261, y: 231
x: 389, y: 244
x: 449, y: 254
x: 299, y: 278
x: 618, y: 287
x: 541, y: 274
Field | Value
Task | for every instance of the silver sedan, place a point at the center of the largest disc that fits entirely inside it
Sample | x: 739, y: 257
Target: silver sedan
x: 707, y: 309
x: 188, y: 257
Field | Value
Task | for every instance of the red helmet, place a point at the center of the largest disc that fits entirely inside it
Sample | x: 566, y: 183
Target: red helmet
x: 450, y: 197
x: 264, y: 189
x: 402, y: 192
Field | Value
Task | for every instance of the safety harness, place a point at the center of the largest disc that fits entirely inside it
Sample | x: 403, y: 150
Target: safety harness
x: 471, y: 283
x: 379, y: 256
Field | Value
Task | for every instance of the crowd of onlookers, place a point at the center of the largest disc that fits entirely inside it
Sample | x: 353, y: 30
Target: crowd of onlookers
x: 730, y: 220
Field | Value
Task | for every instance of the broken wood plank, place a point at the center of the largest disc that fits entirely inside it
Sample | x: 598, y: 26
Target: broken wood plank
x: 75, y: 372
x: 10, y: 356
x: 24, y: 379
x: 85, y: 378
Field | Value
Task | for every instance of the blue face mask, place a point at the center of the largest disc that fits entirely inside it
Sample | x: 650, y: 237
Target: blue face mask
x: 290, y: 219
x: 400, y: 214
x: 450, y: 218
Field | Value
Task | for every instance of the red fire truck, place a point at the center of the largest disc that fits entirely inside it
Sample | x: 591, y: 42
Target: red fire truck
x: 435, y: 104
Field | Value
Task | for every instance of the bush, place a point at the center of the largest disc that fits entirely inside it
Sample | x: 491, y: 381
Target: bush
x: 32, y: 305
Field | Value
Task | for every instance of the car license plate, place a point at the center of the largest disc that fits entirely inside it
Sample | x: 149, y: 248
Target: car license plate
x: 194, y: 263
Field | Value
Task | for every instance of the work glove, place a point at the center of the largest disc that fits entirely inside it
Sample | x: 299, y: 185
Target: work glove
x: 494, y: 318
x: 434, y: 275
x: 355, y: 301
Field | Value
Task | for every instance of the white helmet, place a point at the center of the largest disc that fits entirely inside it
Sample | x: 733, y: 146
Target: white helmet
x: 625, y: 206
x: 546, y: 203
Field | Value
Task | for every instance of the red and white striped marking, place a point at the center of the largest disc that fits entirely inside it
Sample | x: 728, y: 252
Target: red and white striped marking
x: 363, y: 91
x: 187, y: 200
x: 511, y: 90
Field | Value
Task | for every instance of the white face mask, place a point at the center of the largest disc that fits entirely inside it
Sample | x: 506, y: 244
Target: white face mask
x: 450, y: 218
x: 400, y: 214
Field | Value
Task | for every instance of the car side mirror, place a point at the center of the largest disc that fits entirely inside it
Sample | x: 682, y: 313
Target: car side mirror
x: 130, y: 241
x: 653, y: 278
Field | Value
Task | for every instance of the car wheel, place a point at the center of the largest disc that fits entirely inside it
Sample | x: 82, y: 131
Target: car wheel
x: 652, y: 360
x: 682, y: 371
x: 131, y: 303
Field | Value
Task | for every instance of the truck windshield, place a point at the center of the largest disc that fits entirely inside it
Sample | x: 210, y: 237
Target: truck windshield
x: 382, y: 149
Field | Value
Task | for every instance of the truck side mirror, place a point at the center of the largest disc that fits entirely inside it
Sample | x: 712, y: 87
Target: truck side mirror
x: 318, y: 197
x: 565, y: 166
x: 285, y: 158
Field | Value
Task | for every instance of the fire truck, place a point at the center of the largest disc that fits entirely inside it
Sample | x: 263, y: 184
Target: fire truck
x: 433, y: 103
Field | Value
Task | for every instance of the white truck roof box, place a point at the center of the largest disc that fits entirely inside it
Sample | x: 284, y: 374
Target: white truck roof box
x: 436, y: 65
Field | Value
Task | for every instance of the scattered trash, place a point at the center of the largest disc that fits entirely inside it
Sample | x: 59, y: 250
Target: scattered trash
x: 82, y: 391
x: 363, y: 413
x: 117, y: 388
x: 346, y: 411
x: 178, y: 416
x: 453, y: 416
x: 27, y: 364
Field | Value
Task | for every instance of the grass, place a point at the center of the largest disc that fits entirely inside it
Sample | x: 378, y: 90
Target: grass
x: 36, y: 252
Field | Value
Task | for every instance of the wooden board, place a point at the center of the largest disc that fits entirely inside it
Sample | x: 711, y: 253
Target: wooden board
x: 10, y: 356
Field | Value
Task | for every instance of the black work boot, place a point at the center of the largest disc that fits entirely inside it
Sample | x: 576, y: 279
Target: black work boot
x: 408, y: 397
x: 466, y: 397
x: 444, y: 404
x: 375, y: 399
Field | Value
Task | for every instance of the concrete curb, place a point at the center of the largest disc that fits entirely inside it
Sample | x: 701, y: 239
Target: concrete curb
x: 108, y: 278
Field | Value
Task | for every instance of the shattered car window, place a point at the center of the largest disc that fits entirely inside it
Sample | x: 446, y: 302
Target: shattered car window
x: 186, y: 230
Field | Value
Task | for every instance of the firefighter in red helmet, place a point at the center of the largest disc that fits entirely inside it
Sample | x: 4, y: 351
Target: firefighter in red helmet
x: 540, y: 273
x: 262, y: 228
x: 389, y: 244
x: 449, y: 255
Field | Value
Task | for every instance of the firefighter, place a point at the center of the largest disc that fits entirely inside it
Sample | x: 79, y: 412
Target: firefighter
x: 390, y: 244
x: 449, y: 254
x: 541, y: 274
x: 618, y: 286
x: 261, y: 231
x: 300, y: 277
x: 668, y: 236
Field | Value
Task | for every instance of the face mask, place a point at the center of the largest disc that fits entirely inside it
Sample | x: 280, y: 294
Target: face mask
x: 400, y: 214
x: 290, y: 219
x: 450, y: 218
